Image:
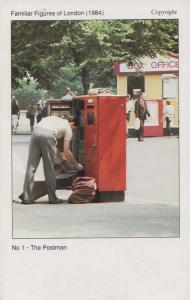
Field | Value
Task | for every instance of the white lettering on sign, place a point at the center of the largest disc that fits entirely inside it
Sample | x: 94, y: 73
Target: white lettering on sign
x: 60, y: 106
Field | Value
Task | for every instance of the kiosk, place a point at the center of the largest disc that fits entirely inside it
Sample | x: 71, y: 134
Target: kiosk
x: 158, y: 78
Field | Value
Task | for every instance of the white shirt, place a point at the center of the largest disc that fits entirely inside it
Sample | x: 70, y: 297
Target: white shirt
x: 59, y: 126
x: 42, y: 103
x: 129, y: 106
x: 169, y: 111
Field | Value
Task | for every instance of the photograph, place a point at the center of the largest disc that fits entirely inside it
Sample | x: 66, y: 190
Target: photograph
x: 95, y: 128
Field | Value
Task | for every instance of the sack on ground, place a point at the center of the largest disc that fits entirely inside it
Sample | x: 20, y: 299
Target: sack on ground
x: 84, y: 190
x: 137, y: 123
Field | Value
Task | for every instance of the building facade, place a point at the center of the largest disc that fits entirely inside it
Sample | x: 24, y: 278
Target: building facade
x: 157, y: 77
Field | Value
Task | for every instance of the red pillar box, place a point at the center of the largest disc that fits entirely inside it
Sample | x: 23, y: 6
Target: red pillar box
x: 105, y: 145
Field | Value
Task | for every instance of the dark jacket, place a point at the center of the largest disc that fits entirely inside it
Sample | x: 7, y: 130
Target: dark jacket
x: 15, y: 109
x: 31, y: 110
x: 141, y: 110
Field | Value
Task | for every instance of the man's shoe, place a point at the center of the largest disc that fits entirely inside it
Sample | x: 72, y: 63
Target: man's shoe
x: 27, y: 202
x: 56, y: 201
x: 20, y: 201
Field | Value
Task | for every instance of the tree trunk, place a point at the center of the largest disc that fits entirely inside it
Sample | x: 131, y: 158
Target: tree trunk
x: 85, y: 80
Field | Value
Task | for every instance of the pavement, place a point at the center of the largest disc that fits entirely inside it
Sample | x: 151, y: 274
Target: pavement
x: 150, y: 209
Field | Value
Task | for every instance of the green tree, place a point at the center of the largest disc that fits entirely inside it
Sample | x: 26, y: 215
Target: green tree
x: 27, y: 92
x: 67, y: 77
x: 88, y: 48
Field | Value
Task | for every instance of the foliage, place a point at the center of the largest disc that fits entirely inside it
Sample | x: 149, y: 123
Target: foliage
x: 75, y: 53
x: 66, y: 77
x: 27, y: 92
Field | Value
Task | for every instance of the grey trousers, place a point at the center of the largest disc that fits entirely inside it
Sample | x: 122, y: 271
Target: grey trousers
x: 42, y: 145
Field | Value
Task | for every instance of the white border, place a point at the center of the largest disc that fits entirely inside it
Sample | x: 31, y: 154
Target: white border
x: 124, y: 269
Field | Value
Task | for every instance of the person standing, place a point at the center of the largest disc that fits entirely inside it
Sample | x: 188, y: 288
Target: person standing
x: 31, y: 112
x: 141, y: 112
x: 15, y: 114
x: 169, y: 114
x: 41, y: 109
x: 129, y: 108
x: 43, y: 145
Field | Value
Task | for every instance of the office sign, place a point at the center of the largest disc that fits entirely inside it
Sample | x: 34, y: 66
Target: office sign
x: 150, y: 65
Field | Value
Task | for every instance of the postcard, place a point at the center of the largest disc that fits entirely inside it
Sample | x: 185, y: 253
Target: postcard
x: 95, y: 154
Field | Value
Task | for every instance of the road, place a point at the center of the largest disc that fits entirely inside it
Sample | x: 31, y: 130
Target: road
x: 150, y: 209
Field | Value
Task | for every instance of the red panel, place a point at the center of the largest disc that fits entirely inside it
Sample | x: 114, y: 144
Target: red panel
x: 156, y: 130
x: 111, y: 143
x: 105, y: 142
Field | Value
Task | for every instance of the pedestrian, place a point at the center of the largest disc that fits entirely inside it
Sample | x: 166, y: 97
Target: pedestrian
x: 129, y: 108
x: 141, y: 112
x: 43, y: 145
x: 169, y: 114
x: 41, y: 109
x: 31, y: 112
x: 15, y: 114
